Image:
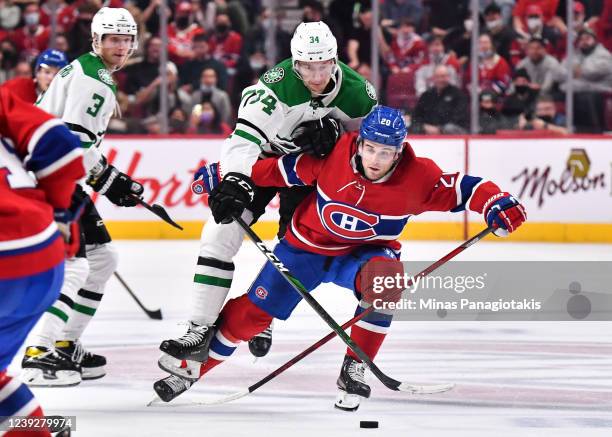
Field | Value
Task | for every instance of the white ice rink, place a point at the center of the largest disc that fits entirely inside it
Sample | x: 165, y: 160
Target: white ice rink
x: 513, y: 379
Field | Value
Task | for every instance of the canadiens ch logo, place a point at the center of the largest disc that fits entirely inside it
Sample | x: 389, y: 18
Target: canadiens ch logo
x: 348, y: 222
x: 273, y: 75
x: 261, y: 293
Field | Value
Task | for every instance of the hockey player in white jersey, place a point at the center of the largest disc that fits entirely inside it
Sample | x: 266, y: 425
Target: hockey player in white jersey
x: 82, y: 94
x: 297, y: 106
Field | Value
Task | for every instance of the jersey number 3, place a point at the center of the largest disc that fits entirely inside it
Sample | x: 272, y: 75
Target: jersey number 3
x: 254, y: 96
x: 95, y: 108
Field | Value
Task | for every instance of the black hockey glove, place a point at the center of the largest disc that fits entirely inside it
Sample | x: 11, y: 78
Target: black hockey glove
x: 317, y: 137
x: 118, y: 187
x: 229, y: 199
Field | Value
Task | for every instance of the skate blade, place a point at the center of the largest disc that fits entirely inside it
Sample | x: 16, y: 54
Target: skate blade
x: 63, y: 378
x: 90, y: 373
x: 172, y: 366
x: 347, y: 402
x: 425, y: 389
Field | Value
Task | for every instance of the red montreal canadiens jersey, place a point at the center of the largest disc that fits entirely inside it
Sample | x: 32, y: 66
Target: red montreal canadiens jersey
x: 40, y: 162
x: 347, y: 210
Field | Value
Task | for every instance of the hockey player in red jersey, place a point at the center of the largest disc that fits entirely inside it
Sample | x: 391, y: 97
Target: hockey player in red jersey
x: 40, y: 161
x: 47, y: 66
x: 366, y: 190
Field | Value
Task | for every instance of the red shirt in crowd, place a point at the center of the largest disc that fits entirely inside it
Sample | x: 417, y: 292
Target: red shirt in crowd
x: 31, y: 44
x: 493, y: 75
x: 407, y: 53
x: 180, y: 42
x: 226, y: 50
x: 548, y: 7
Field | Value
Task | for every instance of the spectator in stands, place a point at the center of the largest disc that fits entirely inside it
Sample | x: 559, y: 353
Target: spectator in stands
x: 543, y: 69
x: 9, y: 59
x: 458, y: 40
x: 592, y: 65
x: 61, y: 43
x: 79, y: 37
x: 448, y: 16
x: 66, y: 15
x: 312, y: 11
x: 394, y: 10
x: 238, y: 12
x: 147, y: 98
x: 225, y: 44
x: 33, y: 37
x: 407, y: 49
x: 436, y: 56
x: 152, y: 125
x: 489, y: 118
x: 257, y: 47
x: 191, y: 71
x: 502, y: 34
x: 10, y: 14
x: 22, y: 69
x: 546, y: 117
x: 604, y: 26
x: 366, y: 71
x: 442, y: 108
x: 205, y: 119
x: 359, y: 47
x: 521, y: 99
x: 506, y: 7
x: 178, y: 121
x: 549, y: 10
x: 493, y: 70
x: 181, y: 33
x: 535, y: 28
x: 208, y: 92
x: 142, y: 73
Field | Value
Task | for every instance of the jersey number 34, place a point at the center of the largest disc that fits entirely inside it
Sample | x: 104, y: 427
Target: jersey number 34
x: 254, y: 96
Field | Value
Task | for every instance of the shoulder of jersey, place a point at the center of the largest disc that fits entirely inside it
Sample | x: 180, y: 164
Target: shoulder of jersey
x: 354, y: 82
x: 93, y: 67
x: 286, y: 85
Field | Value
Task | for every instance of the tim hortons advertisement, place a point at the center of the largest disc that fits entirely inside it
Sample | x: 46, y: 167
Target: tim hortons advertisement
x: 558, y: 180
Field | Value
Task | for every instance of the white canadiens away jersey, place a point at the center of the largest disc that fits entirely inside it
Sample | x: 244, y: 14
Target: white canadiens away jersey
x: 82, y: 94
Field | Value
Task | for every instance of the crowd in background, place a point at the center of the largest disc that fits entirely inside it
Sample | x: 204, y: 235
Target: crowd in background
x: 218, y: 47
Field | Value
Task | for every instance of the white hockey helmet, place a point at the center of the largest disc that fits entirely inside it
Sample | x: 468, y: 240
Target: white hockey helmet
x: 313, y: 42
x: 113, y: 21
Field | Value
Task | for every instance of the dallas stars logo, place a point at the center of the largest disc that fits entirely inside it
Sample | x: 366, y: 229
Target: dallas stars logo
x: 370, y: 90
x: 105, y: 76
x: 273, y: 75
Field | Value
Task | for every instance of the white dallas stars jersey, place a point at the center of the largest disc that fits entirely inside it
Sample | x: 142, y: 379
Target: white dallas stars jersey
x: 279, y: 102
x: 82, y: 94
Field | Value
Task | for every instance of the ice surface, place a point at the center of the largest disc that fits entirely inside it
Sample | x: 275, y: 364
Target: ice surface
x: 513, y: 379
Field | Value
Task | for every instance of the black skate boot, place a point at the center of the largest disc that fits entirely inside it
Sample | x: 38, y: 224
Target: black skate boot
x: 184, y: 356
x: 43, y: 367
x: 92, y: 365
x: 351, y: 384
x: 260, y: 344
x: 171, y: 386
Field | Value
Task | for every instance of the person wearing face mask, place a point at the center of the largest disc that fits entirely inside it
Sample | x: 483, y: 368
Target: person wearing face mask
x: 546, y: 117
x: 9, y: 15
x: 436, y: 56
x: 493, y: 70
x: 191, y: 70
x: 549, y: 17
x: 489, y: 118
x: 181, y: 33
x: 33, y: 37
x: 502, y: 34
x: 458, y: 39
x: 407, y: 49
x: 592, y: 65
x: 208, y: 91
x: 205, y: 120
x: 535, y: 27
x: 522, y: 98
x: 257, y: 44
x: 225, y: 44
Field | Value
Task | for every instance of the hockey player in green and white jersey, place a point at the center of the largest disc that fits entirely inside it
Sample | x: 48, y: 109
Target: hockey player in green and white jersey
x: 82, y: 94
x: 298, y: 106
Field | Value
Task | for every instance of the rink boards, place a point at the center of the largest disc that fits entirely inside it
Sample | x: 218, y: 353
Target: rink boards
x: 564, y: 183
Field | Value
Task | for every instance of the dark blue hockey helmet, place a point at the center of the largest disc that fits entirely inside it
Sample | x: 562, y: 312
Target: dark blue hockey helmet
x: 51, y: 58
x: 384, y: 125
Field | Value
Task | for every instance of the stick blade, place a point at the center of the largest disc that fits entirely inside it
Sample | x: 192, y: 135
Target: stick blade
x: 424, y: 389
x: 161, y: 212
x: 155, y: 315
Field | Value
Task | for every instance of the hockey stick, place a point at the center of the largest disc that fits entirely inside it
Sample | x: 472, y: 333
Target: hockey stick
x: 153, y: 314
x: 346, y: 325
x: 159, y: 211
x: 387, y: 381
